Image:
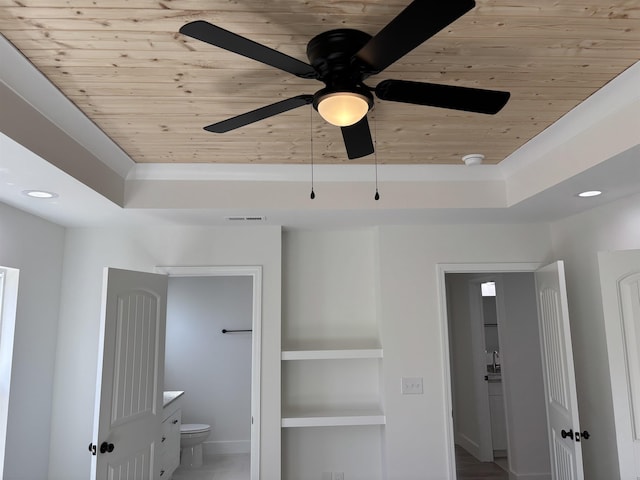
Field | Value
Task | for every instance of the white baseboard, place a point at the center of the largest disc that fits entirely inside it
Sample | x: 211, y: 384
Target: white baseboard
x: 226, y: 447
x: 469, y: 445
x: 529, y: 476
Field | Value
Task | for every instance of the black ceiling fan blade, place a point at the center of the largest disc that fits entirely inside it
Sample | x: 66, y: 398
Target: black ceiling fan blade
x: 259, y: 114
x: 214, y: 35
x: 416, y: 23
x: 357, y: 139
x: 444, y: 96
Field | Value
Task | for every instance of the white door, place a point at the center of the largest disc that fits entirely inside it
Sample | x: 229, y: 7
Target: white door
x: 620, y: 285
x: 128, y: 410
x: 558, y: 373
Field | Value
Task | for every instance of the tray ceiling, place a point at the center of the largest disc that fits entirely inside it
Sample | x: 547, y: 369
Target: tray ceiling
x: 152, y: 90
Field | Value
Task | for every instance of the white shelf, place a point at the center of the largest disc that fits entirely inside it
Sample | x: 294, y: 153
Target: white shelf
x: 333, y: 418
x: 344, y: 354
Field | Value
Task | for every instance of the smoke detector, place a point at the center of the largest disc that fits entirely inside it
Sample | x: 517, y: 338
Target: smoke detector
x: 473, y: 159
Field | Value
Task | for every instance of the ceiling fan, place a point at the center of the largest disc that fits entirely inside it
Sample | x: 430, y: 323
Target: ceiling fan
x: 343, y: 59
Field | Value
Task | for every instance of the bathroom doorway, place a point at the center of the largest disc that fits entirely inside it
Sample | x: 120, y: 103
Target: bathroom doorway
x: 219, y: 372
x: 497, y: 399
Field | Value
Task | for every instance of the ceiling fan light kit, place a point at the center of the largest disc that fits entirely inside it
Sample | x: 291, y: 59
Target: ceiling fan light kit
x: 343, y: 59
x: 343, y: 108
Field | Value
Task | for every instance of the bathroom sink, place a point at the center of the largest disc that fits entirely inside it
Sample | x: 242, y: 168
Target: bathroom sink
x: 168, y: 397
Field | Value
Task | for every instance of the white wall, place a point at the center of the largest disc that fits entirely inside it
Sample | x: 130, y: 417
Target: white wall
x: 415, y: 434
x: 35, y: 247
x: 87, y: 251
x: 329, y: 280
x: 577, y: 240
x: 214, y: 369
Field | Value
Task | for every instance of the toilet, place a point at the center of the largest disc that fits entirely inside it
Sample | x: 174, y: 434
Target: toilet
x: 191, y: 437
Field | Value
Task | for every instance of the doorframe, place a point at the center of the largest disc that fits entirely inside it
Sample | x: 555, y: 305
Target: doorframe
x: 441, y: 270
x: 255, y: 272
x: 8, y: 307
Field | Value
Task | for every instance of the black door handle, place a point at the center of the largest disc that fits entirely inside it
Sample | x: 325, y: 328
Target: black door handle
x: 106, y: 447
x: 586, y: 435
x: 566, y: 434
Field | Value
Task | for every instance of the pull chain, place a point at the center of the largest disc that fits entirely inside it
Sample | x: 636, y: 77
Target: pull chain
x: 313, y: 194
x: 375, y: 151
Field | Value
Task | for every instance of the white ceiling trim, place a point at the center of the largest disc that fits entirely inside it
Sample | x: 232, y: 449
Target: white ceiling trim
x: 613, y: 97
x: 321, y: 173
x: 25, y: 79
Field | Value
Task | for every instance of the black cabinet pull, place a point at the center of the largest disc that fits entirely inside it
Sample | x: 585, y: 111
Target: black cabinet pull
x: 566, y: 434
x: 163, y: 438
x: 161, y: 472
x: 175, y: 421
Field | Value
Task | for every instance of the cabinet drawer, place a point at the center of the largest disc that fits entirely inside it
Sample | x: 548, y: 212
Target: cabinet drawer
x: 170, y: 444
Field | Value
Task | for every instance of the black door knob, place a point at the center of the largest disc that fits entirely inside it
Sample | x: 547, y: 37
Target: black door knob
x: 566, y: 434
x: 586, y: 435
x: 106, y: 447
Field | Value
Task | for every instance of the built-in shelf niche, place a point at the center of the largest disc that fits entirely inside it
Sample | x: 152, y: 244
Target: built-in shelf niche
x: 331, y: 387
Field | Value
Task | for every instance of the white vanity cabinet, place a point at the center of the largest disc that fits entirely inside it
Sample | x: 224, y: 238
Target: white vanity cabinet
x: 170, y: 445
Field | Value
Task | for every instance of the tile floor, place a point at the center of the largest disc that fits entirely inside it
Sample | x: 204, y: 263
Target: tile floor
x: 218, y: 467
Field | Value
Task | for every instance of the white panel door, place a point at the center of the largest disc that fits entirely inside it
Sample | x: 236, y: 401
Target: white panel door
x: 128, y: 411
x: 620, y: 286
x: 558, y: 374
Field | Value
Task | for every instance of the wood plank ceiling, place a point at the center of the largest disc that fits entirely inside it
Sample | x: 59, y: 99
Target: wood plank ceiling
x: 152, y: 90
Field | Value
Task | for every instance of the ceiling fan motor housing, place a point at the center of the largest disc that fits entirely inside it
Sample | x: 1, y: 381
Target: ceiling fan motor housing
x: 332, y: 55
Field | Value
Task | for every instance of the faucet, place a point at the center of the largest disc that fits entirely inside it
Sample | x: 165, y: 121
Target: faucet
x: 496, y: 361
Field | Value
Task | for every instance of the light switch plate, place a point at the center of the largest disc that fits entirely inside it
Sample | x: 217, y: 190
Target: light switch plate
x: 412, y: 386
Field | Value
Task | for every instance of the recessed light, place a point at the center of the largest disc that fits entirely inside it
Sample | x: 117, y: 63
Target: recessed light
x: 590, y: 193
x: 39, y: 194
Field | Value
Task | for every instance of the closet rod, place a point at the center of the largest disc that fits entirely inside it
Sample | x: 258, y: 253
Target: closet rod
x: 224, y: 330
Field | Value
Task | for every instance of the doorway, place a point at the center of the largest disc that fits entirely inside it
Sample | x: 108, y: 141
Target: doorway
x: 219, y: 372
x: 8, y: 303
x: 497, y: 400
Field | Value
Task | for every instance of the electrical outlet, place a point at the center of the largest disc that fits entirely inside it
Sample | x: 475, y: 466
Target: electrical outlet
x: 338, y: 476
x: 412, y: 386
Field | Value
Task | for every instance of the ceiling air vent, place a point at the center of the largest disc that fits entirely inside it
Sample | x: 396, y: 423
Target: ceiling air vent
x: 251, y: 218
